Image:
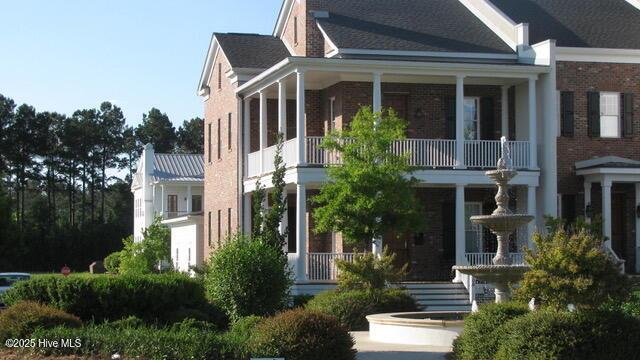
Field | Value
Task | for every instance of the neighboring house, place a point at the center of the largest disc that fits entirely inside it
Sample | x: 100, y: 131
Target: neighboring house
x: 170, y: 186
x: 463, y: 73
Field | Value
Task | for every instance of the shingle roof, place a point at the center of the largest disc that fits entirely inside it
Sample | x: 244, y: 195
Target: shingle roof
x: 408, y: 25
x: 252, y: 50
x: 178, y: 167
x: 577, y: 23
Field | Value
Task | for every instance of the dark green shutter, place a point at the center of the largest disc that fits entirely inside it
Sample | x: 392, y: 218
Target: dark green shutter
x: 450, y: 117
x: 627, y: 114
x: 487, y: 119
x: 593, y: 113
x: 566, y: 113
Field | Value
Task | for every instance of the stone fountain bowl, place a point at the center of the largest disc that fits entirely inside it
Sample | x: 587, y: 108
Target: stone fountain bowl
x: 501, y: 175
x: 494, y: 273
x: 502, y: 222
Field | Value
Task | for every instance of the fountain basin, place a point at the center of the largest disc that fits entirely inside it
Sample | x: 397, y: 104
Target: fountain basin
x: 434, y: 328
x: 500, y: 223
x: 494, y: 273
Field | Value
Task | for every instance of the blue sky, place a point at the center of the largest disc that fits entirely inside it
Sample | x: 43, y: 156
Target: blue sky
x: 63, y: 55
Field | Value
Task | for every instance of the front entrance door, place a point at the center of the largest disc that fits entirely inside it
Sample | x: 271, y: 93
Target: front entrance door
x: 618, y: 235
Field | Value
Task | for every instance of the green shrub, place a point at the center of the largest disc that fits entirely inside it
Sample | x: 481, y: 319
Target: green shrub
x: 237, y: 338
x: 571, y: 268
x: 482, y: 330
x: 302, y: 334
x: 631, y: 306
x: 21, y: 319
x: 112, y: 262
x: 562, y: 335
x: 108, y: 297
x: 367, y: 271
x: 352, y: 307
x: 301, y: 300
x: 141, y: 342
x: 248, y: 277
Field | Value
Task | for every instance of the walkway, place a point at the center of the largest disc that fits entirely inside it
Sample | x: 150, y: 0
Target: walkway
x: 369, y: 350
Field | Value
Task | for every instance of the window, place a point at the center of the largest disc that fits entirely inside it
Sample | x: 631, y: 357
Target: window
x: 209, y: 141
x: 228, y: 221
x: 471, y: 118
x: 218, y: 143
x: 209, y: 228
x: 609, y: 114
x: 172, y: 205
x: 229, y: 132
x: 566, y: 113
x: 219, y: 226
x: 219, y: 76
x: 196, y: 203
x: 295, y: 30
x: 292, y: 233
x: 473, y: 232
x: 332, y: 114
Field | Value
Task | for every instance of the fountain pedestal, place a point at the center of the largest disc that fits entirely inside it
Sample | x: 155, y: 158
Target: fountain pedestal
x: 502, y: 222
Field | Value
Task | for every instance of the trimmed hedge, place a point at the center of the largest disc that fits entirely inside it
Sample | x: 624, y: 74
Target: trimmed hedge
x: 482, y: 333
x: 109, y: 297
x: 21, y: 319
x: 237, y: 338
x: 187, y: 343
x: 352, y: 307
x: 563, y: 335
x: 302, y: 335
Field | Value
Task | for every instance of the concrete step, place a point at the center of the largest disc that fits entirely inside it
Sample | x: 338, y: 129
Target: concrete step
x: 420, y: 297
x: 437, y: 291
x: 465, y: 308
x: 411, y: 286
x: 445, y: 302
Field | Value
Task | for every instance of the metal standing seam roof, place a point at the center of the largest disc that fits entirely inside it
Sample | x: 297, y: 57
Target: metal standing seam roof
x: 178, y: 167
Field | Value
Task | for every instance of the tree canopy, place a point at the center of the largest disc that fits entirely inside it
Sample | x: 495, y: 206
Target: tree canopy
x: 190, y: 137
x: 156, y: 128
x: 371, y: 193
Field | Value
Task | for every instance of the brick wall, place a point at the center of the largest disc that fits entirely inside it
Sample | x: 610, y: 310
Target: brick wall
x: 221, y: 175
x: 580, y: 78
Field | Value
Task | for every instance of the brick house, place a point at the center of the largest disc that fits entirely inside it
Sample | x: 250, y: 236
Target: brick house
x: 558, y: 79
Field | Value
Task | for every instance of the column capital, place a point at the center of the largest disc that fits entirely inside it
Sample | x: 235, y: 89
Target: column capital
x: 460, y: 76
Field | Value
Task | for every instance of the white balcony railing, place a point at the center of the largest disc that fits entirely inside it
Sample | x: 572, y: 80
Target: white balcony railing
x: 427, y: 153
x: 322, y: 266
x: 487, y: 258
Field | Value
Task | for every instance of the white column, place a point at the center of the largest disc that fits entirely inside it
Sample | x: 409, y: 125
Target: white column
x: 189, y: 199
x: 637, y: 217
x: 284, y: 223
x: 460, y: 231
x: 531, y: 210
x: 377, y: 92
x: 162, y: 202
x: 587, y: 200
x: 301, y: 232
x: 282, y: 108
x: 246, y: 126
x: 376, y: 247
x: 504, y: 119
x: 300, y: 120
x: 533, y: 121
x: 606, y: 211
x: 263, y: 128
x: 246, y: 213
x: 460, y: 162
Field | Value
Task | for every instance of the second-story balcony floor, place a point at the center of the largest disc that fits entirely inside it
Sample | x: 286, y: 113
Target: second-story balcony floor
x: 421, y: 153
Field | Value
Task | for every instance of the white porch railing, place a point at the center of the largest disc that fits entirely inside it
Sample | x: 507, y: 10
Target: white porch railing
x: 427, y: 153
x: 485, y: 153
x: 322, y: 266
x: 487, y: 258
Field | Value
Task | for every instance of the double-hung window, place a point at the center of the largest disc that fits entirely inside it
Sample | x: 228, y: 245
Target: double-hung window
x: 610, y: 114
x: 471, y: 118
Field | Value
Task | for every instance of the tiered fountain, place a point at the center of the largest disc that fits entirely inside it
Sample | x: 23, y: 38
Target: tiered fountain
x: 502, y: 222
x: 440, y: 328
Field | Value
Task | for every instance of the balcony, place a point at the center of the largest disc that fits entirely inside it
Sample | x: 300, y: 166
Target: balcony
x: 424, y: 153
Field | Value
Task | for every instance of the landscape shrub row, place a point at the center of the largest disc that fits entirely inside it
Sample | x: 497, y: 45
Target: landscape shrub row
x: 509, y: 331
x: 171, y: 296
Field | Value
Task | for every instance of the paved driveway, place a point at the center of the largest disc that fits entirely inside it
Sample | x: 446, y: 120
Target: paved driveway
x: 369, y: 350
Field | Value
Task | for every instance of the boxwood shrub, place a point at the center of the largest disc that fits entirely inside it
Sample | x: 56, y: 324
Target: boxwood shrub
x: 351, y: 307
x: 482, y: 331
x: 113, y: 297
x: 563, y: 335
x: 177, y: 343
x: 301, y: 334
x: 21, y: 319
